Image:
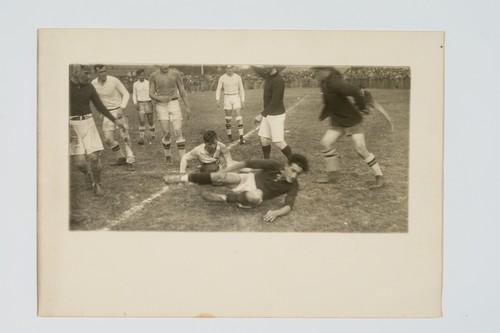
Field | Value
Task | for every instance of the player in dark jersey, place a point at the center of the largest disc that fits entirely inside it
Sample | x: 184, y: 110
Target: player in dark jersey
x: 249, y: 190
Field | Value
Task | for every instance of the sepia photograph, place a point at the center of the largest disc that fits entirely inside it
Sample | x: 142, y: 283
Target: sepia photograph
x: 288, y: 178
x: 231, y: 147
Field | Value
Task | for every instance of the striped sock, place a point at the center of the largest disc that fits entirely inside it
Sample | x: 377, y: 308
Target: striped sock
x: 373, y: 164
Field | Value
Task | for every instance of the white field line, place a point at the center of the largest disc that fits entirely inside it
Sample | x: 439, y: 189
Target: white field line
x: 136, y: 208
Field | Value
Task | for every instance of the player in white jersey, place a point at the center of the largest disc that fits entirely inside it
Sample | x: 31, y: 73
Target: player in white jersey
x: 234, y: 100
x: 143, y: 104
x: 212, y: 154
x: 114, y: 96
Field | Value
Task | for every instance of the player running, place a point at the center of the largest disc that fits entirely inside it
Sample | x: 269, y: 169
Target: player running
x: 345, y: 119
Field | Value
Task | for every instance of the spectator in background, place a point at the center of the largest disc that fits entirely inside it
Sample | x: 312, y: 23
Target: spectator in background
x: 142, y: 103
x: 115, y: 97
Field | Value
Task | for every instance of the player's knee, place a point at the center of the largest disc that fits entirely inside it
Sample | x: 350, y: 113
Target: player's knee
x: 326, y: 144
x: 254, y: 197
x: 95, y: 161
x: 178, y: 133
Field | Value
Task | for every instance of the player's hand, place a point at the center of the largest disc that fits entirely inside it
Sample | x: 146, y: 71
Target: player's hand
x: 257, y: 119
x: 120, y: 125
x: 271, y: 215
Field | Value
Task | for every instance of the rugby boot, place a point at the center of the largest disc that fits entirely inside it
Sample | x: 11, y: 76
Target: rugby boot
x: 379, y: 182
x: 98, y: 191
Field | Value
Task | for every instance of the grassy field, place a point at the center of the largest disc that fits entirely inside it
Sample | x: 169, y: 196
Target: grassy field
x: 348, y: 206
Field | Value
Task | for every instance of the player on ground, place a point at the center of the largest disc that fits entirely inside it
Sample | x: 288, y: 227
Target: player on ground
x: 142, y: 103
x: 165, y: 87
x: 345, y: 118
x: 115, y: 97
x: 248, y: 190
x: 85, y: 142
x: 212, y: 154
x: 234, y: 100
x: 272, y: 119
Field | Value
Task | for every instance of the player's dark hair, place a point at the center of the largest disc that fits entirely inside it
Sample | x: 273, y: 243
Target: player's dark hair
x: 98, y: 67
x: 209, y: 136
x: 300, y: 160
x: 139, y: 72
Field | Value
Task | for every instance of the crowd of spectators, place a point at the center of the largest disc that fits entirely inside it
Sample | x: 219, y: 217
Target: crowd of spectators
x: 371, y: 77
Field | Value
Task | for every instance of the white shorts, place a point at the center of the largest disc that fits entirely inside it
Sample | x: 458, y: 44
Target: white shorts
x: 232, y: 102
x: 84, y: 137
x: 145, y: 107
x: 273, y: 127
x: 247, y: 183
x: 169, y: 111
x: 108, y: 125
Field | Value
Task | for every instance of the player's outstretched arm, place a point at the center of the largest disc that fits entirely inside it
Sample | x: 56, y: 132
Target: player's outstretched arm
x: 271, y: 215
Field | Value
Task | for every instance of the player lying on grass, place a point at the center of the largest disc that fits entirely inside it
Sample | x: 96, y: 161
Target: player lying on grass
x: 249, y: 190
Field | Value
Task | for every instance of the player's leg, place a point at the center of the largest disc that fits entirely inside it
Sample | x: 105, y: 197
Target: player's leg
x: 246, y: 199
x: 125, y: 135
x: 142, y: 122
x: 175, y: 115
x: 277, y: 125
x: 239, y: 121
x: 265, y: 137
x: 108, y: 129
x: 360, y: 145
x: 148, y: 110
x: 96, y: 169
x: 179, y: 139
x: 330, y: 155
x: 77, y: 149
x: 164, y: 120
x: 228, y: 118
x: 205, y: 178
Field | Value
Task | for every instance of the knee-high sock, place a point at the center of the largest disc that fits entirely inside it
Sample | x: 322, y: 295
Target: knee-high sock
x: 166, y: 145
x: 200, y: 178
x: 142, y: 130
x: 96, y: 167
x: 117, y: 151
x: 239, y: 121
x: 373, y: 164
x: 228, y: 125
x: 287, y: 151
x: 181, y: 145
x: 332, y: 160
x: 266, y: 150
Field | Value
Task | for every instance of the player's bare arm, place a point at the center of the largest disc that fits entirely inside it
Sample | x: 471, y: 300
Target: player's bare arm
x: 271, y: 215
x: 183, y: 94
